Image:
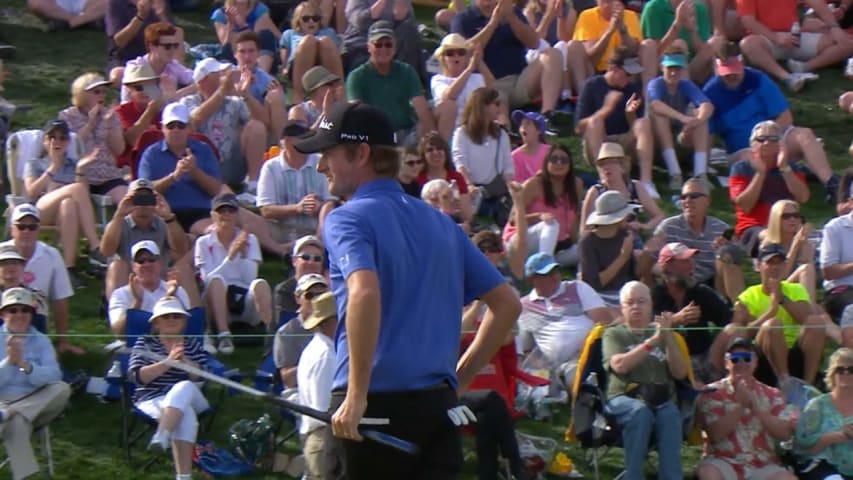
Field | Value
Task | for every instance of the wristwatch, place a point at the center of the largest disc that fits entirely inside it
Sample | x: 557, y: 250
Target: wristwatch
x: 28, y: 370
x: 785, y: 169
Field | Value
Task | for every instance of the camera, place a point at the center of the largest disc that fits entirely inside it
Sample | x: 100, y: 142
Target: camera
x: 144, y: 200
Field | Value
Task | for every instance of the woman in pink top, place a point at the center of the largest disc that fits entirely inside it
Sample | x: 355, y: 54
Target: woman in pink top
x: 550, y: 199
x: 527, y: 159
x: 435, y: 153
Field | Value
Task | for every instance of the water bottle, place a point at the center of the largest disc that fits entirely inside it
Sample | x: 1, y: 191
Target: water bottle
x: 592, y: 379
x: 114, y: 373
x: 454, y: 189
x: 795, y: 31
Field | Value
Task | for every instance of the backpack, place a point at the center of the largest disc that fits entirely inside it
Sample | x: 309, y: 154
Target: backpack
x: 252, y: 441
x: 590, y: 424
x: 217, y: 462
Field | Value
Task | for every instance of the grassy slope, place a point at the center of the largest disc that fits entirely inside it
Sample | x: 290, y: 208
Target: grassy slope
x: 85, y: 441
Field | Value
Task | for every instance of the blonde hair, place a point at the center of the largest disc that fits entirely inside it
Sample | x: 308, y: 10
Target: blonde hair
x: 299, y: 11
x: 78, y: 86
x: 773, y: 234
x: 843, y: 354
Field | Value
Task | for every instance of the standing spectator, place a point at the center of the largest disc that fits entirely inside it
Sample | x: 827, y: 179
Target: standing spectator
x: 392, y: 86
x: 264, y: 87
x: 63, y: 15
x: 237, y: 16
x: 43, y: 270
x: 292, y: 337
x: 125, y: 22
x: 31, y: 390
x: 165, y: 45
x: 528, y: 158
x: 290, y: 190
x: 308, y: 44
x: 688, y: 21
x: 836, y: 261
x: 787, y: 227
x: 317, y: 82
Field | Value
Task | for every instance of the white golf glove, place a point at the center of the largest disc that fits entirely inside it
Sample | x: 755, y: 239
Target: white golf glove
x: 461, y: 415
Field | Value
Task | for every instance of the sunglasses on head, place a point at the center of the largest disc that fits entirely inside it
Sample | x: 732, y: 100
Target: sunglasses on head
x: 455, y: 52
x: 692, y: 195
x: 168, y: 46
x: 145, y: 259
x: 61, y: 138
x: 385, y: 44
x: 413, y: 163
x: 176, y: 125
x: 27, y: 226
x: 790, y: 215
x: 310, y: 258
x: 560, y: 159
x: 767, y: 138
x: 311, y: 18
x: 848, y: 370
x: 739, y: 357
x: 17, y: 310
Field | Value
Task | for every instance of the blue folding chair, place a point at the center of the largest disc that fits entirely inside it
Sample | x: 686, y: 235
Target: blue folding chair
x: 268, y: 380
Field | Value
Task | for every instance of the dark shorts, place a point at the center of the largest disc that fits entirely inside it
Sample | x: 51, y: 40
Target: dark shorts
x: 187, y: 217
x: 808, y: 469
x: 105, y: 187
x: 796, y: 359
x: 836, y: 300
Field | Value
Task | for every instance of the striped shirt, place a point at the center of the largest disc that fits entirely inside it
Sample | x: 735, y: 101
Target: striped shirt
x: 193, y: 352
x: 676, y: 229
x: 281, y: 184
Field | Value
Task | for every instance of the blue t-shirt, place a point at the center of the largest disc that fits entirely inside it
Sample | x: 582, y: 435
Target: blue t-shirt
x: 427, y: 268
x: 218, y: 15
x: 686, y: 94
x: 592, y: 98
x: 504, y: 53
x: 290, y: 39
x: 737, y: 110
x: 157, y: 162
x: 260, y: 82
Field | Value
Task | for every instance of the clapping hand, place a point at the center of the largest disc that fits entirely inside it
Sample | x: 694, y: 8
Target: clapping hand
x: 136, y: 289
x: 14, y: 349
x: 239, y: 245
x: 177, y: 352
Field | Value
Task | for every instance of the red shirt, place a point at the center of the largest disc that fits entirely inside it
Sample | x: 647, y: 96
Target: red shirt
x: 451, y: 175
x: 774, y: 189
x: 128, y: 114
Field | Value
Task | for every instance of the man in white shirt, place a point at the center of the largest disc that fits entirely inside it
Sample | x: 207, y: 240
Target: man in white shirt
x: 836, y: 262
x: 314, y: 374
x: 145, y: 286
x: 228, y: 259
x: 44, y: 270
x: 557, y: 315
x: 290, y: 189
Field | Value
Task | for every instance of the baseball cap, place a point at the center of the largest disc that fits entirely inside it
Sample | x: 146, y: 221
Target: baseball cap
x: 138, y: 72
x: 207, y: 66
x: 316, y: 77
x: 176, y: 112
x: 380, y: 29
x: 57, y: 124
x: 322, y: 307
x: 353, y: 123
x: 539, y: 264
x: 302, y: 242
x: 167, y: 305
x: 728, y: 59
x: 674, y: 60
x: 519, y: 115
x: 148, y: 245
x: 24, y: 210
x: 627, y: 60
x: 224, y: 200
x: 740, y: 342
x: 294, y: 128
x: 771, y: 250
x: 9, y: 252
x: 675, y: 251
x: 610, y: 150
x: 17, y: 296
x: 610, y: 207
x: 141, y: 184
x: 307, y: 281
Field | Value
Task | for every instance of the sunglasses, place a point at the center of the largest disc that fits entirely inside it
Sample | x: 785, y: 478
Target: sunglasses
x: 739, y: 357
x: 455, y: 52
x: 790, y: 215
x: 311, y: 18
x: 312, y: 295
x: 60, y: 138
x: 27, y: 226
x: 560, y: 159
x: 848, y: 370
x: 176, y: 125
x: 17, y: 310
x: 137, y: 88
x: 97, y: 91
x: 412, y: 163
x: 310, y: 258
x: 692, y: 196
x: 144, y: 260
x: 767, y: 138
x: 388, y: 44
x: 168, y: 46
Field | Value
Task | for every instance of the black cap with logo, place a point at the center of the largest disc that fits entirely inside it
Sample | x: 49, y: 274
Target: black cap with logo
x: 353, y: 122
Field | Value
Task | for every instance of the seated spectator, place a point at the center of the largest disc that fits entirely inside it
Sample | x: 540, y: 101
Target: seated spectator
x: 436, y: 163
x: 824, y: 434
x: 43, y: 270
x: 770, y: 38
x: 292, y: 337
x: 557, y: 315
x: 696, y: 309
x: 790, y: 336
x: 31, y: 387
x: 55, y: 184
x: 610, y: 110
x: 145, y: 286
x: 613, y: 168
x: 225, y: 111
x: 528, y: 158
x: 165, y: 393
x: 600, y: 32
x: 504, y: 35
x: 362, y: 15
x: 606, y: 251
x: 742, y: 98
x: 264, y: 87
x: 290, y: 190
x: 227, y: 259
x: 392, y: 86
x: 550, y: 203
x: 743, y: 419
x: 462, y: 70
x: 725, y: 20
x: 63, y: 15
x: 757, y: 183
x: 787, y: 227
x: 717, y: 261
x: 686, y: 22
x: 165, y: 46
x: 100, y: 135
x: 143, y: 108
x: 237, y: 16
x: 440, y: 195
x: 680, y: 112
x: 12, y: 276
x: 554, y: 23
x: 143, y: 214
x: 125, y: 23
x: 308, y: 44
x: 306, y: 256
x: 836, y: 259
x: 317, y: 82
x: 411, y: 165
x: 846, y: 327
x: 315, y: 372
x: 643, y: 361
x: 490, y: 244
x: 481, y: 154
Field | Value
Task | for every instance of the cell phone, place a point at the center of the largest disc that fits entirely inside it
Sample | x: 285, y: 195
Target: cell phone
x: 729, y: 233
x: 144, y: 200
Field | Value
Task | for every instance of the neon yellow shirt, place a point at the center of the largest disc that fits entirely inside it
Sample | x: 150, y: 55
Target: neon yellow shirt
x: 758, y: 302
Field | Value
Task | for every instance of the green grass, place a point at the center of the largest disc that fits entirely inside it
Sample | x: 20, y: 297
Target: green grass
x: 85, y: 441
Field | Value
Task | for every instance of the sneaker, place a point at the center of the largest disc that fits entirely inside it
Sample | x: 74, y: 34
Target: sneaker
x: 226, y: 344
x: 831, y: 188
x: 796, y: 66
x: 676, y: 182
x: 208, y: 345
x: 159, y: 441
x: 795, y: 82
x: 556, y: 122
x: 651, y: 189
x: 98, y: 259
x: 76, y: 282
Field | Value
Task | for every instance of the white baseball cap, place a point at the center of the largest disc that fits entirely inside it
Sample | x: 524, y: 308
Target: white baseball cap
x: 176, y: 112
x: 168, y: 305
x: 148, y: 245
x: 208, y: 66
x: 24, y: 210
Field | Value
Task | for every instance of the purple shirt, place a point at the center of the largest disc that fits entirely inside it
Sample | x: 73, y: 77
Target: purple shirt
x: 119, y: 14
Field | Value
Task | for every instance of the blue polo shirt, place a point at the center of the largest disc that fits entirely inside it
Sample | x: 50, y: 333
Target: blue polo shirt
x: 737, y: 110
x: 428, y: 270
x: 686, y: 94
x: 504, y: 53
x: 157, y: 162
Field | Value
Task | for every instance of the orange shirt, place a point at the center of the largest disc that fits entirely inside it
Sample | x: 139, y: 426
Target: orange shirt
x: 777, y: 15
x: 591, y: 26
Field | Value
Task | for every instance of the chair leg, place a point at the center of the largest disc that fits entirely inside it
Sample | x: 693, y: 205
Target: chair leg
x: 47, y: 449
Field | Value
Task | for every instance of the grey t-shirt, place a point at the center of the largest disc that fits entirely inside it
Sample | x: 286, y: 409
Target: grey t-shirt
x: 290, y: 340
x: 132, y: 233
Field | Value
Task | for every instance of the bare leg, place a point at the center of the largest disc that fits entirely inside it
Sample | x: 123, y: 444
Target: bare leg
x: 829, y: 54
x: 93, y: 11
x: 642, y: 130
x: 731, y: 277
x: 263, y: 301
x: 49, y: 9
x: 69, y: 230
x: 443, y: 18
x: 805, y: 275
x: 116, y: 276
x: 329, y: 57
x: 803, y: 141
x: 772, y: 343
x: 649, y: 60
x: 304, y: 57
x: 758, y: 53
x: 708, y: 472
x: 663, y: 132
x: 812, y: 339
x: 277, y: 111
x: 182, y: 454
x: 549, y: 78
x: 265, y: 63
x: 257, y: 225
x: 214, y: 301
x: 593, y: 136
x: 253, y: 139
x: 186, y: 278
x: 579, y: 65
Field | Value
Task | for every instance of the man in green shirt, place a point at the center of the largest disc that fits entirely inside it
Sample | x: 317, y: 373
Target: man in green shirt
x: 392, y: 86
x: 667, y: 20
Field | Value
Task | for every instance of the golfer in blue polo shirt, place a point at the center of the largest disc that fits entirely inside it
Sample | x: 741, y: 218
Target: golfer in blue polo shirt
x: 401, y: 273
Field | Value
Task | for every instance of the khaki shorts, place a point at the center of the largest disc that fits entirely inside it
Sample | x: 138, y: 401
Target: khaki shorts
x: 805, y: 52
x: 514, y: 89
x: 749, y: 473
x: 627, y: 140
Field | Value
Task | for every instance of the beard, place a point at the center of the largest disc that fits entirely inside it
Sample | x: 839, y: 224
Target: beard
x: 680, y: 280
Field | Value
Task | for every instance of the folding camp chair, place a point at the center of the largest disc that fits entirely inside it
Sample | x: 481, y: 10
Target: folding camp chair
x: 268, y: 380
